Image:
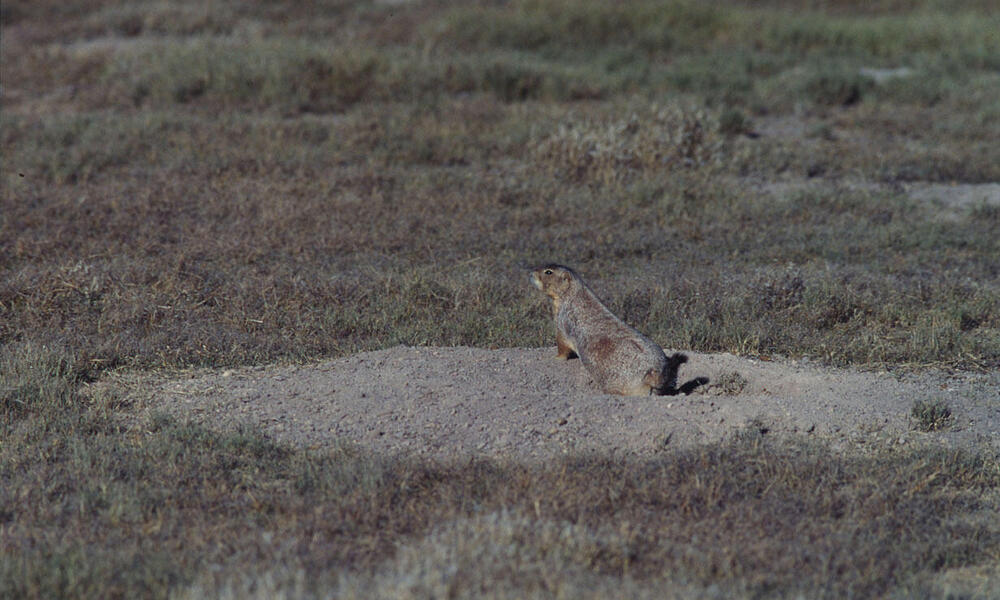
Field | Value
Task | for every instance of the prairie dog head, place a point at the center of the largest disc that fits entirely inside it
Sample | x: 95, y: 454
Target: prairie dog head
x: 555, y: 281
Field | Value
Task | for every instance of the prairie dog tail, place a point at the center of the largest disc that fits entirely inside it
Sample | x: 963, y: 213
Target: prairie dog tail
x: 664, y: 383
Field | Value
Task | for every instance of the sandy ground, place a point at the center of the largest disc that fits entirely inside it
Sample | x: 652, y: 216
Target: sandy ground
x: 524, y: 403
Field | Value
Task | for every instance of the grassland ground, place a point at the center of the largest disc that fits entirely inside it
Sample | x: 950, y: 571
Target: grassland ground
x: 198, y: 502
x: 522, y: 404
x: 229, y: 185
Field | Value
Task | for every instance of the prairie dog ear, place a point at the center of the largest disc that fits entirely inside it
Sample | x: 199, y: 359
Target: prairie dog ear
x: 565, y: 276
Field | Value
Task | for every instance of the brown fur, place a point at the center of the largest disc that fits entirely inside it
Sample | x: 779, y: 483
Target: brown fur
x: 619, y: 358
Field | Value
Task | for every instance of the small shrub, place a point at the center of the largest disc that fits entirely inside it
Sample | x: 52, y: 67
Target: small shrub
x: 728, y: 384
x: 839, y: 86
x: 734, y: 122
x: 608, y: 152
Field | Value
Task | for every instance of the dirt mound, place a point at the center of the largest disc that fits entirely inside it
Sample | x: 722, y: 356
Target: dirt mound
x: 524, y: 403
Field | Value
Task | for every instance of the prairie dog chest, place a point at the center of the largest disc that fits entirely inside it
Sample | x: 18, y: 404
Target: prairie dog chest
x: 582, y: 315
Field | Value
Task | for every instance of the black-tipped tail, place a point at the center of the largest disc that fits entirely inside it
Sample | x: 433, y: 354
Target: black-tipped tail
x: 668, y: 379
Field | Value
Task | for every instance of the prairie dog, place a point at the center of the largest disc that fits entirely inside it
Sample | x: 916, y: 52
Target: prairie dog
x: 619, y: 358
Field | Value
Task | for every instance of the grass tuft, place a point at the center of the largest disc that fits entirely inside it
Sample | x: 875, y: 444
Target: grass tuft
x: 34, y: 378
x: 931, y: 415
x: 728, y: 384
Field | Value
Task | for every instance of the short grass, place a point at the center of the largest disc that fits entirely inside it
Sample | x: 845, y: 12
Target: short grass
x: 245, y: 183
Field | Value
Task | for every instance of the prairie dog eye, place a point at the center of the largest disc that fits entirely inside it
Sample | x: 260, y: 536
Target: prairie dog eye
x: 548, y: 271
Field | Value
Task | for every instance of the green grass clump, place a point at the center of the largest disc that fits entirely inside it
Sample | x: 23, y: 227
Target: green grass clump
x: 292, y: 75
x: 564, y: 26
x: 931, y: 415
x: 34, y: 378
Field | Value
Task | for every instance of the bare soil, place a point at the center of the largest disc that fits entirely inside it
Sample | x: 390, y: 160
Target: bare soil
x: 523, y: 403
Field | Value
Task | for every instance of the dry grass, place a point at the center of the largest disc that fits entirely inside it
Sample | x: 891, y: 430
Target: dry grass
x: 243, y: 183
x: 230, y: 253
